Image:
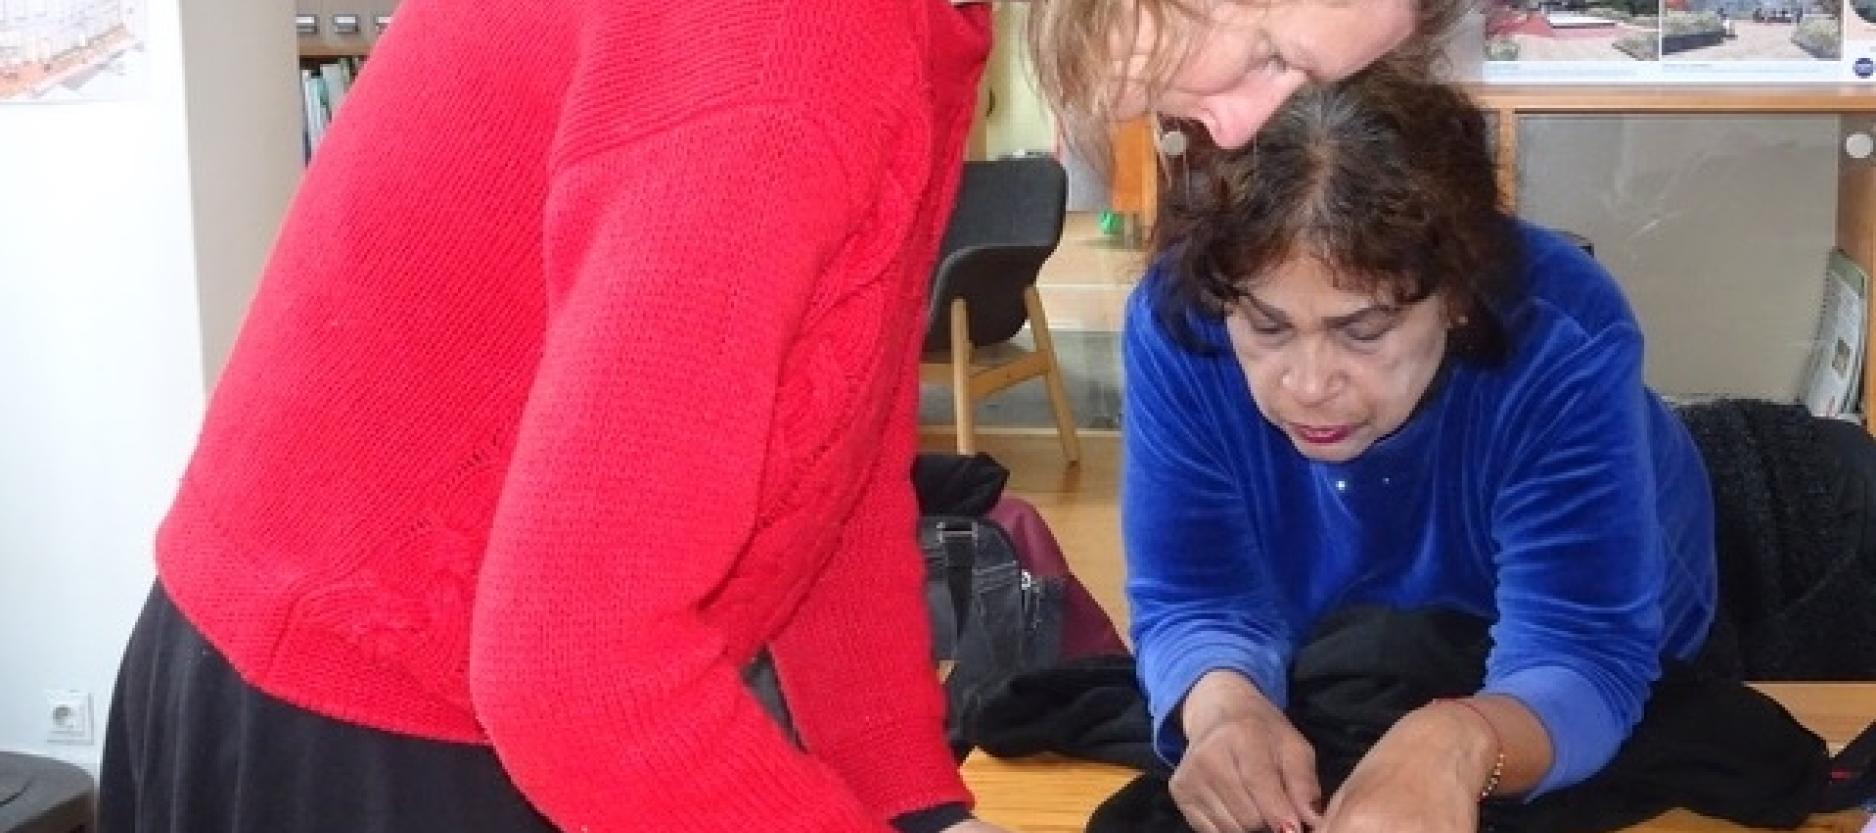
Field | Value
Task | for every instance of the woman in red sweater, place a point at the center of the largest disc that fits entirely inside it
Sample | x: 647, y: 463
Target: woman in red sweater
x: 575, y: 407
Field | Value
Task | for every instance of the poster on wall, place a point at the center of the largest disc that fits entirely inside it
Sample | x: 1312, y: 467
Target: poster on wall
x: 1692, y: 41
x: 1859, y: 37
x: 54, y: 51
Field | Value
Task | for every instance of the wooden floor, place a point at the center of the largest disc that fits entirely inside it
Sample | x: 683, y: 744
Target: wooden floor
x: 1080, y: 503
x: 1085, y: 283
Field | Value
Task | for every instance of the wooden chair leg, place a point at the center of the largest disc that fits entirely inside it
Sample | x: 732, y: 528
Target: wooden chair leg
x: 964, y: 403
x: 1058, y: 393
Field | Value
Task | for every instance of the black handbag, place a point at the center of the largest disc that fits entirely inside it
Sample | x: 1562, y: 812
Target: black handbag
x: 990, y: 618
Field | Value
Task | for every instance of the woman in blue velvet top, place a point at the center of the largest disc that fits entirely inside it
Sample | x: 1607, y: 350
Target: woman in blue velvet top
x: 1351, y: 379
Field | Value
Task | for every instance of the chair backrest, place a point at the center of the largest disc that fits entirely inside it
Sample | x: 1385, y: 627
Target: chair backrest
x: 1006, y: 222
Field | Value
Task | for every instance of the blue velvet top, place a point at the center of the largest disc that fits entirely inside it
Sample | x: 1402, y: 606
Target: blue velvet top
x: 1552, y: 494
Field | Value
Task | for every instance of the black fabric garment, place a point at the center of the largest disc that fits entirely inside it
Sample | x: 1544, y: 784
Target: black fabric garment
x: 1088, y: 708
x: 934, y: 820
x: 954, y: 484
x: 192, y: 748
x: 762, y: 680
x: 1708, y: 744
x: 1796, y: 537
x: 1366, y: 667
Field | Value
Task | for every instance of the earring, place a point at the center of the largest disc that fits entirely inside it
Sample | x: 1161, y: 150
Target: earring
x: 1173, y: 142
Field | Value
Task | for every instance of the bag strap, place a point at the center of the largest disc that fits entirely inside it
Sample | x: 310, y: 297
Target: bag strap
x: 957, y: 538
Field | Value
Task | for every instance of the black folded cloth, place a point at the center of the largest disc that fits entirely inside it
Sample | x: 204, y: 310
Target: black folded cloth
x: 1705, y: 742
x: 1089, y: 708
x: 957, y: 484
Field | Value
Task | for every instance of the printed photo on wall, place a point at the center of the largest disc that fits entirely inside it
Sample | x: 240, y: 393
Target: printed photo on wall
x: 1751, y: 30
x: 1572, y: 30
x: 57, y: 51
x: 1859, y: 38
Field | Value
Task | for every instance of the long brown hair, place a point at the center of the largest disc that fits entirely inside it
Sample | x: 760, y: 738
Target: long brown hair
x: 1386, y: 178
x: 1079, y: 49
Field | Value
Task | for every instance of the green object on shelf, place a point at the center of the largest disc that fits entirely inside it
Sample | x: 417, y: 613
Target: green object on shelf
x: 1112, y: 224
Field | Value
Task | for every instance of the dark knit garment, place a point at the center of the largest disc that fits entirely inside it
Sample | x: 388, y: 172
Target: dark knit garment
x: 1796, y: 540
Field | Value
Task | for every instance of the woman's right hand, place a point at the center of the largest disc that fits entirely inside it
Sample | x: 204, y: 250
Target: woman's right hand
x: 1245, y: 768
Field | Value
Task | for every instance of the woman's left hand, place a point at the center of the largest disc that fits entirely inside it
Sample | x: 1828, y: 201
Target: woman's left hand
x: 1423, y: 776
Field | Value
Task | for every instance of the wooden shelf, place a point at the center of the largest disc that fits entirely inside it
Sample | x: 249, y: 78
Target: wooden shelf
x: 1665, y: 99
x: 320, y: 50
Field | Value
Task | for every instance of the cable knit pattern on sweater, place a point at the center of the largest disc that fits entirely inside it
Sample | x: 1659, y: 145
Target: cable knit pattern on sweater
x: 577, y: 379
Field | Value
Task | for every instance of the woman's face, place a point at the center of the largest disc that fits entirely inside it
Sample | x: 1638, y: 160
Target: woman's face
x: 1256, y: 53
x: 1335, y: 370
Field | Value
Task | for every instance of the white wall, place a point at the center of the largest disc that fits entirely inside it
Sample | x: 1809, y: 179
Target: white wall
x: 102, y: 356
x: 1020, y: 120
x: 244, y: 150
x: 1717, y: 227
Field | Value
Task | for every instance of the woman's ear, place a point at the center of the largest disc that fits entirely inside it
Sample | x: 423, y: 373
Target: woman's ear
x: 1458, y: 312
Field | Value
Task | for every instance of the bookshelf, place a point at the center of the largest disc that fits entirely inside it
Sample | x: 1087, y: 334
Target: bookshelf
x: 1135, y: 161
x: 335, y: 37
x: 336, y: 28
x: 1854, y: 105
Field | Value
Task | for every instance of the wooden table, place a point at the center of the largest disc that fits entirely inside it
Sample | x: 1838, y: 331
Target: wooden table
x: 1048, y: 795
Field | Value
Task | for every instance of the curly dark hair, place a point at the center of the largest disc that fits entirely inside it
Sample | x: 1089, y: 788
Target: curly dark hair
x: 1387, y: 178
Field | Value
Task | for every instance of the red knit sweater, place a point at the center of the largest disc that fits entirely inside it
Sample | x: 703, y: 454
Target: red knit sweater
x: 584, y: 368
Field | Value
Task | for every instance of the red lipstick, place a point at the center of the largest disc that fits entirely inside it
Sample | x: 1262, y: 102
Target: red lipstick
x: 1323, y: 435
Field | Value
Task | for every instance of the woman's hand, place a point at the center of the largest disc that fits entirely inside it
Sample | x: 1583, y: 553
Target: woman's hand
x: 1424, y: 776
x: 1245, y: 768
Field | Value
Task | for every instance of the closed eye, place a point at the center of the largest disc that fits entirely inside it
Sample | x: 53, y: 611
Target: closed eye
x: 1268, y: 328
x: 1369, y: 325
x: 1367, y: 332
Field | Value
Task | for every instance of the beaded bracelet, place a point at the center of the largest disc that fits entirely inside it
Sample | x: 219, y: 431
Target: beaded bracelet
x: 1498, y: 744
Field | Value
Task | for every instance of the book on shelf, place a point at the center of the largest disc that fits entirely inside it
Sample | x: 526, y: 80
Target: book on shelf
x: 323, y: 87
x: 1833, y: 377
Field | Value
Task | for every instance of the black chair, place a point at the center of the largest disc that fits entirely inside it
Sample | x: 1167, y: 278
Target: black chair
x: 41, y: 795
x: 1006, y: 223
x: 1577, y: 240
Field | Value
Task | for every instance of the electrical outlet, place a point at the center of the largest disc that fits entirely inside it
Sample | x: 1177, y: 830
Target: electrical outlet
x: 68, y: 716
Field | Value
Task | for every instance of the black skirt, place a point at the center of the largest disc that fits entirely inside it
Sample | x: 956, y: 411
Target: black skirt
x: 191, y: 748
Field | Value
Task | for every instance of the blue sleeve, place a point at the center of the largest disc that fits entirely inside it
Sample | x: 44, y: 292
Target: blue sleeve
x: 1197, y: 592
x: 1579, y: 561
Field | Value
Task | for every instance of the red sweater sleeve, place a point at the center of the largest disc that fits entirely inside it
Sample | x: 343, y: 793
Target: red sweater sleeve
x: 865, y: 620
x: 676, y: 282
